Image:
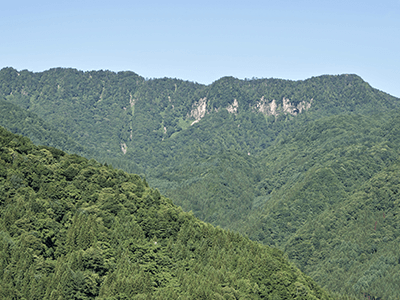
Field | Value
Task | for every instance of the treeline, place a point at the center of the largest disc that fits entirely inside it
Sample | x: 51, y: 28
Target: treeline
x: 100, y: 110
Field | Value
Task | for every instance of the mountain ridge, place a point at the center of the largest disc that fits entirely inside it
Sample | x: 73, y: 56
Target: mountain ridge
x: 270, y: 177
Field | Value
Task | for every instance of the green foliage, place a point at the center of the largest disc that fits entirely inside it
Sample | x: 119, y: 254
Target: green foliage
x: 24, y: 122
x: 331, y: 194
x: 72, y: 228
x: 283, y: 179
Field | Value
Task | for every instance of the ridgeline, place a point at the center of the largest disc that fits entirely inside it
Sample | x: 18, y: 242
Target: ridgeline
x: 308, y: 167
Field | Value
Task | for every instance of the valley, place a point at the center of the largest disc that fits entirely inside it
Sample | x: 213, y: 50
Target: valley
x: 307, y: 167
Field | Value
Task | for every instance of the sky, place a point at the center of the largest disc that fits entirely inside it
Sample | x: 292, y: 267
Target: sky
x: 203, y: 41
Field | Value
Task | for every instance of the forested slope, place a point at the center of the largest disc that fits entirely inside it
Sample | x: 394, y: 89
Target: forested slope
x: 330, y: 195
x: 278, y: 160
x: 20, y: 121
x: 169, y: 130
x: 72, y: 228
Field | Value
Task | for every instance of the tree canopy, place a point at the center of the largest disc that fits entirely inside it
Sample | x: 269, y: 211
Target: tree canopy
x: 283, y: 162
x: 73, y: 228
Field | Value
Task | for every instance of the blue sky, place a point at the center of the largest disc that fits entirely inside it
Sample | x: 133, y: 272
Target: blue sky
x: 204, y: 40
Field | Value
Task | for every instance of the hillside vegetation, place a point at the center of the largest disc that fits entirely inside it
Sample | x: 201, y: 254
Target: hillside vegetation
x: 72, y: 228
x: 283, y: 162
x: 331, y: 202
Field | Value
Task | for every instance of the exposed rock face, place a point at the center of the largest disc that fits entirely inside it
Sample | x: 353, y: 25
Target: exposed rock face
x: 272, y: 109
x: 233, y: 107
x: 288, y: 107
x: 266, y: 108
x: 303, y: 105
x: 131, y: 100
x: 198, y: 110
x: 124, y: 148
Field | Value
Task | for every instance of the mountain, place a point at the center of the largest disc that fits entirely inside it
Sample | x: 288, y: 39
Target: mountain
x: 330, y: 194
x: 169, y: 126
x: 72, y: 228
x: 21, y: 121
x: 277, y: 160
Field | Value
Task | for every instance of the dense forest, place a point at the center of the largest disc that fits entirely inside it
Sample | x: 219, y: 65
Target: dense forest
x: 73, y: 228
x: 309, y: 167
